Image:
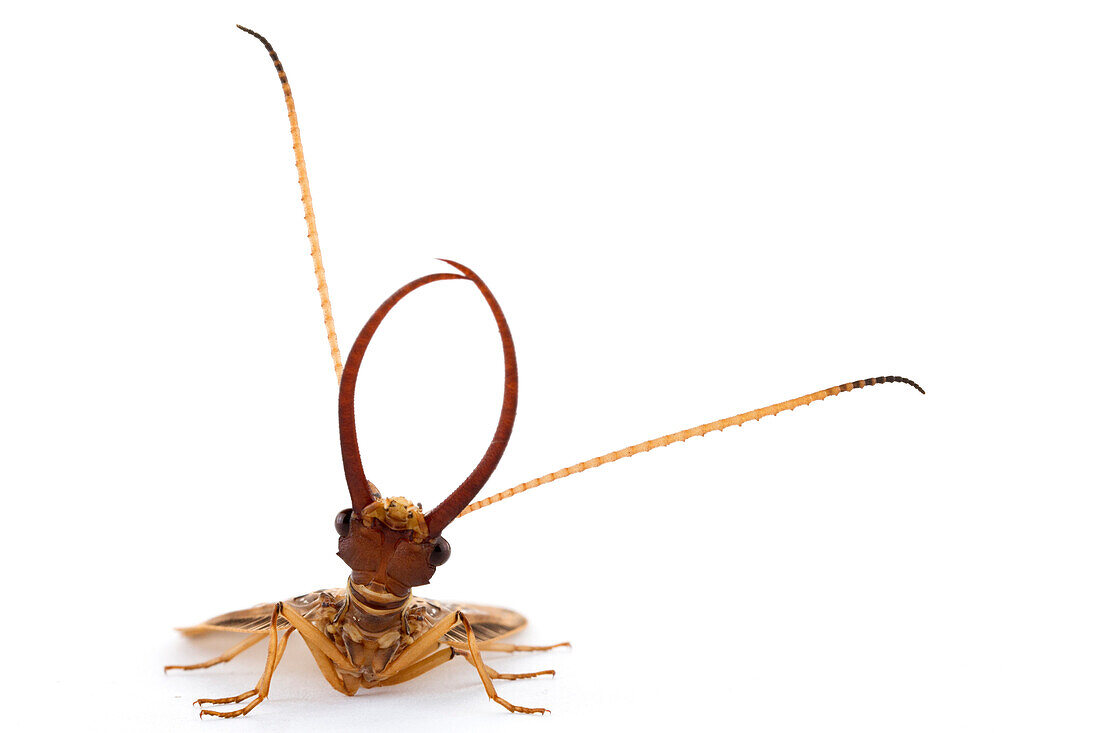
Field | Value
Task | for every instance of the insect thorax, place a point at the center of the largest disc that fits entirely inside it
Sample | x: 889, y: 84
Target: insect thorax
x: 372, y: 627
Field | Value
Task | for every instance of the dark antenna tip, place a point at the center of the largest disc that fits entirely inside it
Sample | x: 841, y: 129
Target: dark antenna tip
x: 903, y: 380
x: 253, y: 33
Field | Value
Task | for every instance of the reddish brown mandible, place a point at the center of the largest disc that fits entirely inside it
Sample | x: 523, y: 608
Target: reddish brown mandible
x: 362, y: 491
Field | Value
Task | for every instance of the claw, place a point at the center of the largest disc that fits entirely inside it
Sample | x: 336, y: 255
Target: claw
x: 232, y: 713
x: 225, y: 700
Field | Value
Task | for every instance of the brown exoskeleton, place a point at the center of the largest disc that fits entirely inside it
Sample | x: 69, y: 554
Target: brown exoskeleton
x: 374, y: 632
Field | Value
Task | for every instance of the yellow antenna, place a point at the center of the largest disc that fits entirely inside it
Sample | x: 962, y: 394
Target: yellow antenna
x: 649, y: 445
x: 307, y: 204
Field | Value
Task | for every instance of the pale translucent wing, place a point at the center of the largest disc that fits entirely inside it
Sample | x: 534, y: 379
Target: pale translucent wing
x: 489, y: 622
x: 258, y: 618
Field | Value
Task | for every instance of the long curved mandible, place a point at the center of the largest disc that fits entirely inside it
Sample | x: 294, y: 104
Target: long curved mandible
x: 362, y: 491
x: 450, y: 507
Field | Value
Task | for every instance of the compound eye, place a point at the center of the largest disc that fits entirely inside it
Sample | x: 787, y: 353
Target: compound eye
x: 343, y: 523
x: 440, y: 553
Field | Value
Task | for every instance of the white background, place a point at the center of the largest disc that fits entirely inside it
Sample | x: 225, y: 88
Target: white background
x: 687, y: 210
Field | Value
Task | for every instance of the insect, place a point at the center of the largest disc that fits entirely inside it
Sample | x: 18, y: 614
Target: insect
x: 374, y: 632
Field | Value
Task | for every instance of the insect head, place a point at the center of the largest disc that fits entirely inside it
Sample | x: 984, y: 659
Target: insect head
x: 389, y: 543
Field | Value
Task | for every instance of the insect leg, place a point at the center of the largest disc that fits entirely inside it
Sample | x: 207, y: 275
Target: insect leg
x: 275, y: 649
x: 252, y: 640
x: 423, y: 646
x: 500, y: 646
x: 493, y: 674
x: 483, y: 672
x: 328, y: 657
x: 416, y: 669
x: 328, y: 669
x: 314, y: 638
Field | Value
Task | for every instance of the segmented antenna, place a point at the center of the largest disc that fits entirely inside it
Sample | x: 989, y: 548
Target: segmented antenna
x: 307, y: 204
x: 649, y: 445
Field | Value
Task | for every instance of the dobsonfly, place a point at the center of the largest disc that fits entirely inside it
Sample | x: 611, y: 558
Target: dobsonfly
x: 374, y: 632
